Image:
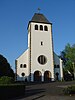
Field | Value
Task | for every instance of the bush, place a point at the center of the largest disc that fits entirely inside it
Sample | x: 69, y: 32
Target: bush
x: 68, y: 77
x: 6, y: 80
x: 69, y: 90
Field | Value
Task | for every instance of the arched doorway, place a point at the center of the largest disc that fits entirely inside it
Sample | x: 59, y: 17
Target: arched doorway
x: 37, y: 76
x: 47, y: 76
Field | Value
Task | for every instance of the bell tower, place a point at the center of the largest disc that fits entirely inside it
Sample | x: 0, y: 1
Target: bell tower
x: 40, y: 45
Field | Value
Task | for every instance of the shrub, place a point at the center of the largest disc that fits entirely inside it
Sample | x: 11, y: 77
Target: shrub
x: 6, y: 80
x: 69, y: 90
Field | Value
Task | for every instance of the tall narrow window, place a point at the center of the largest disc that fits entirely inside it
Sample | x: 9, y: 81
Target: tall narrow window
x: 41, y: 43
x: 55, y: 66
x: 36, y: 27
x: 45, y: 28
x: 41, y: 27
x: 20, y: 65
x: 24, y: 65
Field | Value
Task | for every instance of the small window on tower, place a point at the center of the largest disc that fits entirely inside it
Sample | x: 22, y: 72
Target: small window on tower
x: 41, y: 42
x: 41, y: 27
x: 36, y: 27
x: 45, y: 28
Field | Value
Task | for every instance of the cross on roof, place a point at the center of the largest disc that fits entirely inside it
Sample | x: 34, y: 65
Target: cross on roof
x: 38, y: 10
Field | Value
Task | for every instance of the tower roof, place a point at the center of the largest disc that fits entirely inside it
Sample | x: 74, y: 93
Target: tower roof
x: 39, y: 18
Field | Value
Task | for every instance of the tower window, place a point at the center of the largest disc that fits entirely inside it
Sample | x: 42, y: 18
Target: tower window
x: 41, y: 27
x: 45, y: 28
x: 41, y: 42
x: 36, y: 27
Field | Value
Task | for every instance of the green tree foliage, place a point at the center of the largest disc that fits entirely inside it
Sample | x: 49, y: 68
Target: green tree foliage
x: 70, y: 52
x: 6, y: 80
x: 68, y: 57
x: 5, y: 68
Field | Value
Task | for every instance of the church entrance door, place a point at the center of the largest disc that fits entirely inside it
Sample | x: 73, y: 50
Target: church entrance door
x: 47, y: 76
x: 37, y: 76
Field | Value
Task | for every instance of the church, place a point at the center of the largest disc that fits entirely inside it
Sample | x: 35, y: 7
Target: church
x: 39, y: 63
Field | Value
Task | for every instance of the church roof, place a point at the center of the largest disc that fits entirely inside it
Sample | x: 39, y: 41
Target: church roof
x: 39, y: 18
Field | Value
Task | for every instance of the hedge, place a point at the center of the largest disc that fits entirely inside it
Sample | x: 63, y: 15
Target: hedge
x: 6, y: 80
x: 69, y: 90
x: 11, y: 91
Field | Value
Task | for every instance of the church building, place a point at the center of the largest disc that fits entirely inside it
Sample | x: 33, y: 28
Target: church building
x: 39, y: 62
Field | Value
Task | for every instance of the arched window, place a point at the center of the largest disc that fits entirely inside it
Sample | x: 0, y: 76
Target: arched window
x: 36, y: 27
x: 55, y: 66
x: 41, y: 27
x: 45, y: 28
x: 20, y: 65
x: 24, y: 65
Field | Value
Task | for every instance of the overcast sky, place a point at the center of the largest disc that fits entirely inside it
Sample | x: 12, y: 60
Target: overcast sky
x: 14, y: 18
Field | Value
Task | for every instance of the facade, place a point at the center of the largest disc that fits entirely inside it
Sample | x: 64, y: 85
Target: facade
x: 39, y: 62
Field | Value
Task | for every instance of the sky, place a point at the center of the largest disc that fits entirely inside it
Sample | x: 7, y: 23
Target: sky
x: 14, y: 18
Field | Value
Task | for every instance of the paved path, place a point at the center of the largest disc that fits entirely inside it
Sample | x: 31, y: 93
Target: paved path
x: 47, y: 91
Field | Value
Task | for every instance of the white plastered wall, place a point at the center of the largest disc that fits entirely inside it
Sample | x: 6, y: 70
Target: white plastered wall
x: 58, y: 61
x: 23, y: 59
x: 36, y: 49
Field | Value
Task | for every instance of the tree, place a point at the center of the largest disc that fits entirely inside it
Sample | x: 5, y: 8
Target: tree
x: 5, y: 68
x: 70, y: 52
x: 6, y: 80
x: 68, y: 57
